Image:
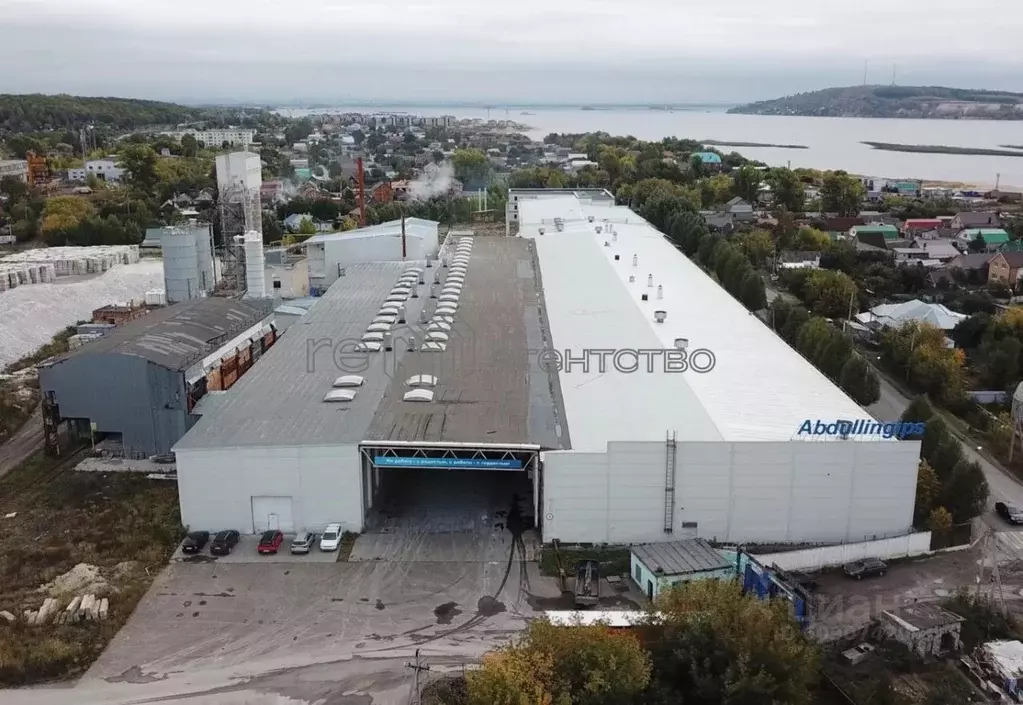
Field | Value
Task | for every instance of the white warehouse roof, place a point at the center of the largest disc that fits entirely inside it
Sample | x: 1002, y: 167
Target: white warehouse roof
x: 760, y: 389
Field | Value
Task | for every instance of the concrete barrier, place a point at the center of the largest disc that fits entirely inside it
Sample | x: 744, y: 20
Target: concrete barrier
x: 918, y: 544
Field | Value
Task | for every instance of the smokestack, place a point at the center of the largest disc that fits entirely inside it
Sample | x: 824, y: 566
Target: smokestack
x: 362, y: 194
x: 404, y: 249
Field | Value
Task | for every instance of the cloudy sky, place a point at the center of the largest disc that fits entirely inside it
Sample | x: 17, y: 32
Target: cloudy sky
x: 520, y: 51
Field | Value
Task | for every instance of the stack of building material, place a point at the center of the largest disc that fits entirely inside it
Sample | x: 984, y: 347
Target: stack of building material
x: 44, y: 265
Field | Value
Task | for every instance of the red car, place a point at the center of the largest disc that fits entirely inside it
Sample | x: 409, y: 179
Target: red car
x: 270, y: 541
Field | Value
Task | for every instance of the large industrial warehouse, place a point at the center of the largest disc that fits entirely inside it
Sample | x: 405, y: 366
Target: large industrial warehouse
x: 139, y: 384
x: 442, y: 393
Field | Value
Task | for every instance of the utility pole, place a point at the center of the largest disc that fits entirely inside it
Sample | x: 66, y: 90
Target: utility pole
x: 865, y: 62
x: 418, y: 667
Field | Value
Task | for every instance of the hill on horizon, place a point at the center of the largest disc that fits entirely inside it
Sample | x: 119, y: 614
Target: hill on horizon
x: 930, y: 102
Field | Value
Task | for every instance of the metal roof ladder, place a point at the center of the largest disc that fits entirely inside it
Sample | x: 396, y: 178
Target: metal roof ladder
x: 671, y: 452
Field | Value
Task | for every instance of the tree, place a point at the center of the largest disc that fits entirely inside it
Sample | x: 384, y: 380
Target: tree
x: 810, y: 240
x: 272, y: 230
x: 557, y: 665
x: 918, y: 411
x: 61, y: 214
x: 965, y: 492
x: 841, y: 194
x: 860, y: 382
x: 139, y: 161
x: 470, y: 164
x: 189, y: 146
x: 928, y: 488
x: 747, y: 183
x: 713, y: 644
x: 751, y: 291
x: 306, y: 227
x: 789, y: 192
x: 705, y: 253
x: 940, y: 519
x: 758, y: 246
x: 830, y: 294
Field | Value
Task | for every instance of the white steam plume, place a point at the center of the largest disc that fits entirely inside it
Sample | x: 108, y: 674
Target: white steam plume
x: 433, y: 182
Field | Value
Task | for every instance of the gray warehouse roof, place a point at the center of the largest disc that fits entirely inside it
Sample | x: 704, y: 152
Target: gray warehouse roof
x: 489, y: 389
x: 279, y: 402
x: 680, y: 557
x: 176, y: 336
x: 491, y: 386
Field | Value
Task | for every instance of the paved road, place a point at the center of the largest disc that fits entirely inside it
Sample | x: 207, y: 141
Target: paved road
x: 1003, y: 487
x: 26, y: 441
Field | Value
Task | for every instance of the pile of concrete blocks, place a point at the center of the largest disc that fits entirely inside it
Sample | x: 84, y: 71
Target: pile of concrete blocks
x: 85, y: 608
x: 81, y: 608
x: 43, y: 614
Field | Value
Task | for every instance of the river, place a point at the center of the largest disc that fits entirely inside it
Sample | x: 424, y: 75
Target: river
x: 833, y: 143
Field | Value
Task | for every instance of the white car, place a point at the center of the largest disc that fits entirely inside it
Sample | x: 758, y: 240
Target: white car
x: 331, y: 538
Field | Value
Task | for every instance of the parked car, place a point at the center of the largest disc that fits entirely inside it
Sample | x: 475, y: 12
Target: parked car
x: 331, y: 539
x: 303, y: 542
x: 1010, y: 512
x: 195, y: 541
x: 270, y: 541
x: 865, y: 568
x: 223, y: 542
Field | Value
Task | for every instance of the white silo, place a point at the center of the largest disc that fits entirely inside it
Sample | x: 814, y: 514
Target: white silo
x: 204, y: 250
x: 180, y: 265
x: 255, y: 266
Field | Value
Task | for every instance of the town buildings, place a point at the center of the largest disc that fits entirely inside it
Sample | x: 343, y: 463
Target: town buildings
x: 14, y: 168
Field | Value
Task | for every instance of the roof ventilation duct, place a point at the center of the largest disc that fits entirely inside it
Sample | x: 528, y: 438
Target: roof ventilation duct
x: 681, y: 343
x: 444, y: 262
x: 415, y: 292
x: 388, y: 342
x: 433, y: 291
x: 607, y: 243
x: 429, y: 262
x: 617, y: 257
x: 541, y: 231
x: 599, y: 229
x: 401, y: 314
x: 659, y: 316
x: 436, y: 277
x: 649, y: 279
x: 411, y: 343
x: 589, y: 218
x: 424, y: 315
x: 632, y: 278
x: 635, y: 260
x: 422, y: 279
x: 614, y: 236
x: 660, y: 291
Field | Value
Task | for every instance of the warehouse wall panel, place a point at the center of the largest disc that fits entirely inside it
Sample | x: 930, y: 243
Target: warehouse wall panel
x: 216, y: 486
x: 754, y: 492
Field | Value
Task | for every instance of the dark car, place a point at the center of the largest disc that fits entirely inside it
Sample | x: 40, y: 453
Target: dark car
x: 865, y: 568
x: 224, y: 542
x: 270, y: 541
x: 1010, y: 512
x: 195, y: 541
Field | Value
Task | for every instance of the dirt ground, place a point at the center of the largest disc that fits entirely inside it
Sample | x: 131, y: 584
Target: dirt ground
x: 845, y: 605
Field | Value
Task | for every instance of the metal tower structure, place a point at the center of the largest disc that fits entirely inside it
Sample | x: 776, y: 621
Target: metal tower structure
x: 239, y: 212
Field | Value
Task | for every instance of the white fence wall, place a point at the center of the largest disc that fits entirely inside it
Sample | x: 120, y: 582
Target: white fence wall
x: 814, y: 558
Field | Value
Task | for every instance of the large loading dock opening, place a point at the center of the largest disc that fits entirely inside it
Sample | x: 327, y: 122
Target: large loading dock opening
x: 442, y: 488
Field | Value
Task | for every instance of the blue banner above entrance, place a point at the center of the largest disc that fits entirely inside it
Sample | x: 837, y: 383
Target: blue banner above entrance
x: 390, y: 461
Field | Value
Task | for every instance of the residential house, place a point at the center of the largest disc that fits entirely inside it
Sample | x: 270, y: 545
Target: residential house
x: 799, y: 260
x: 718, y: 222
x: 924, y: 627
x: 971, y: 268
x: 205, y: 197
x: 1005, y: 267
x: 102, y: 169
x: 974, y: 219
x: 293, y: 223
x: 994, y: 238
x: 740, y: 210
x: 897, y: 315
x: 842, y: 223
x: 402, y: 190
x: 919, y: 226
x: 14, y: 168
x: 269, y: 190
x: 711, y: 160
x: 886, y: 236
x: 382, y: 192
x: 1005, y: 196
x: 941, y: 250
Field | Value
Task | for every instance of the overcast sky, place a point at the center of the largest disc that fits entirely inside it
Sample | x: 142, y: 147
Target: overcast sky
x: 520, y: 51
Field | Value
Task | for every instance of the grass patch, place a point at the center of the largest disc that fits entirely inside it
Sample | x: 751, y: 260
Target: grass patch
x: 122, y: 523
x: 614, y: 560
x: 347, y: 544
x: 17, y: 402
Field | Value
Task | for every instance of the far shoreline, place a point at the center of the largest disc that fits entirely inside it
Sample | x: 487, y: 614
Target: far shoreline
x: 942, y: 149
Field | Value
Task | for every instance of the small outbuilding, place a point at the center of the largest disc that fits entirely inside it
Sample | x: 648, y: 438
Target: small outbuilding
x: 658, y: 566
x: 924, y: 627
